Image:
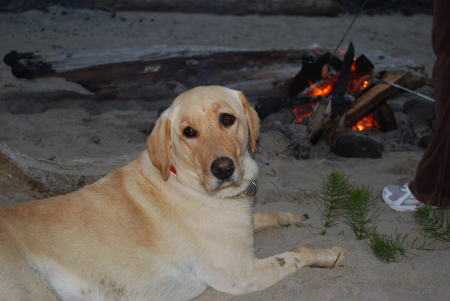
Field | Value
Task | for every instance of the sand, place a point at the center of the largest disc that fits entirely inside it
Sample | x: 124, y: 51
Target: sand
x: 68, y: 131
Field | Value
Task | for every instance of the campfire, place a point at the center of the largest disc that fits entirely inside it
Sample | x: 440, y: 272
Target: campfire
x: 332, y: 94
x: 307, y: 110
x: 330, y: 97
x: 328, y: 67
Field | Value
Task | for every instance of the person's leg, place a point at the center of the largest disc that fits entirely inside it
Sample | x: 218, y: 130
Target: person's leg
x: 432, y: 182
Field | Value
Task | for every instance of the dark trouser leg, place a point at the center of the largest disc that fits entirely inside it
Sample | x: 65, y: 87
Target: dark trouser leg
x: 432, y: 182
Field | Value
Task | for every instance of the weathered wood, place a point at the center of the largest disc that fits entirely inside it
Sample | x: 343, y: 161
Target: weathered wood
x: 385, y: 117
x: 60, y: 177
x: 20, y: 176
x: 339, y: 105
x: 322, y: 125
x: 354, y: 145
x: 322, y: 112
x: 311, y: 72
x: 152, y: 73
x: 328, y: 118
x: 289, y: 7
x: 372, y: 98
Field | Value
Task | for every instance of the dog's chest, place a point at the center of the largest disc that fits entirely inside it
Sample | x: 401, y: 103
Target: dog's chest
x: 172, y: 283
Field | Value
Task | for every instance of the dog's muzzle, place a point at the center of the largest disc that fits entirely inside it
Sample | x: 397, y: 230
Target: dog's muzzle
x: 222, y: 168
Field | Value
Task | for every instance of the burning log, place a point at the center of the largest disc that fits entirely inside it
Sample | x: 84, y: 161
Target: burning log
x: 372, y: 98
x: 329, y: 115
x: 386, y: 117
x: 312, y: 71
x: 357, y: 116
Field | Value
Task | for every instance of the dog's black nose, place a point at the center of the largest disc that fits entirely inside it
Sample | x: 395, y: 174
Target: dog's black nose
x: 222, y: 168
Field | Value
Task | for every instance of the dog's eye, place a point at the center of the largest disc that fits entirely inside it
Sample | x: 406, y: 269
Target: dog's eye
x: 189, y: 132
x: 227, y: 119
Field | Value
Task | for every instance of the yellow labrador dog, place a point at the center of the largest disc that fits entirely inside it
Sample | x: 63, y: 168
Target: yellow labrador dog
x: 165, y: 227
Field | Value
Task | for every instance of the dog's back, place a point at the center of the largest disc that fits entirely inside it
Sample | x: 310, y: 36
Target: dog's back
x: 98, y: 241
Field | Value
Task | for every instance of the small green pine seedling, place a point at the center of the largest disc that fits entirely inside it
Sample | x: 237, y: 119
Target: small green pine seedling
x: 388, y: 248
x: 332, y: 194
x: 357, y: 211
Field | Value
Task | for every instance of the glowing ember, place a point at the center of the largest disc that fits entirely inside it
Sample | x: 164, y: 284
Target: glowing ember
x: 366, y: 123
x: 365, y: 84
x: 302, y: 111
x: 322, y: 89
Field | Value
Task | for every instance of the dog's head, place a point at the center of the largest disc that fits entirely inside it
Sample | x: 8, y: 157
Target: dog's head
x: 204, y: 136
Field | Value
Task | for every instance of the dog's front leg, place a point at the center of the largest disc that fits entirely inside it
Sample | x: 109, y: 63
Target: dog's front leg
x: 263, y: 220
x: 268, y: 271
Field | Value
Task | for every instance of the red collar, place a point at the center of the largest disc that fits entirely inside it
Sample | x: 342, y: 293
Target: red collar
x: 172, y: 169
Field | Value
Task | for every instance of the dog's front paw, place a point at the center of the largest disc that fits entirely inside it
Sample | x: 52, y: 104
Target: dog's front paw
x: 338, y: 254
x: 320, y: 257
x: 287, y: 219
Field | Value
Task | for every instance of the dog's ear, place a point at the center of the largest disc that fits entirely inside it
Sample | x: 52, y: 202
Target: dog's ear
x: 252, y: 121
x: 158, y: 146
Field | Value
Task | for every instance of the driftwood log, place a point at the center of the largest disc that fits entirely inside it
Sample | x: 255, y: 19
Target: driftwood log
x: 161, y: 72
x: 288, y: 7
x: 60, y: 177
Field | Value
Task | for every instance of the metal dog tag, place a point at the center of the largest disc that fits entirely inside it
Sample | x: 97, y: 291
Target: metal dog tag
x: 251, y: 190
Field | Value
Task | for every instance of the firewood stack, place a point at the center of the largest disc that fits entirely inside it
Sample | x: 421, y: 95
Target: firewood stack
x: 345, y: 94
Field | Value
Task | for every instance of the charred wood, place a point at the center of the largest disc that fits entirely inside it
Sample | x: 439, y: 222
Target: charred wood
x: 385, y: 117
x: 372, y: 98
x: 339, y: 105
x: 357, y: 146
x: 148, y: 73
x: 27, y: 65
x: 329, y: 114
x: 311, y: 71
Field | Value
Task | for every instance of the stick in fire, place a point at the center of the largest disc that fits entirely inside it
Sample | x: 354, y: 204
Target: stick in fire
x: 329, y: 114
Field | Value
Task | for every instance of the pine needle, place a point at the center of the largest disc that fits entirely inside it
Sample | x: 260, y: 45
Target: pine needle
x: 340, y: 199
x: 357, y: 210
x: 332, y: 194
x: 435, y: 222
x: 388, y: 248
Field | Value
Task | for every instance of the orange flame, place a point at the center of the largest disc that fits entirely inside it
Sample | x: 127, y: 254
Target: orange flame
x: 322, y: 89
x: 366, y: 123
x: 365, y: 84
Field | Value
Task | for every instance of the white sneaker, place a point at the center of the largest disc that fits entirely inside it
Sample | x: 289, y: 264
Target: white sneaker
x: 400, y: 198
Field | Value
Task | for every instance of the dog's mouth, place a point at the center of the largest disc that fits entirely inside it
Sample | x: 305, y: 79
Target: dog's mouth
x: 251, y: 190
x: 231, y: 189
x: 216, y: 184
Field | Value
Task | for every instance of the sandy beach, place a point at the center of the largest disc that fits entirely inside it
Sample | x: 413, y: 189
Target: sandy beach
x: 66, y: 130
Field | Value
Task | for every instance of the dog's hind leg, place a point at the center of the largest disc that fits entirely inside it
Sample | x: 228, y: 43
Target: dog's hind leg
x: 264, y: 220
